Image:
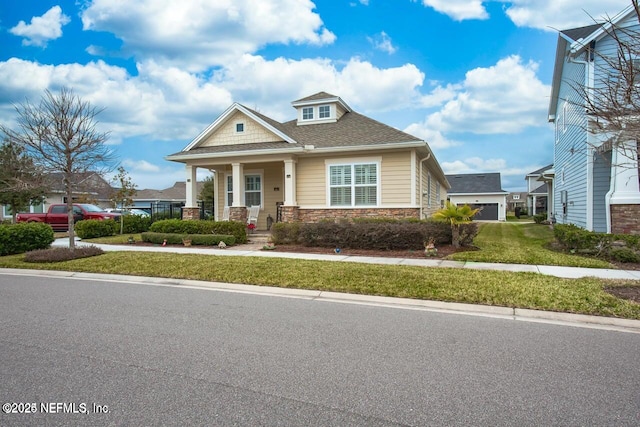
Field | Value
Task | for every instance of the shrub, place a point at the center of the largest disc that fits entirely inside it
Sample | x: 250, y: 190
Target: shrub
x: 62, y: 254
x: 134, y: 224
x: 23, y: 237
x: 92, y: 228
x: 540, y: 218
x: 624, y: 255
x: 234, y: 228
x: 196, y: 239
x: 368, y: 234
x: 577, y: 238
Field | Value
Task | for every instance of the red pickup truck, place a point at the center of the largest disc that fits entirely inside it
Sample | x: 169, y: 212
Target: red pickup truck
x: 57, y: 217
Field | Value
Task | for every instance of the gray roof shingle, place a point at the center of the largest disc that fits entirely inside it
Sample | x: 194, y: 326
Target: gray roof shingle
x: 475, y: 183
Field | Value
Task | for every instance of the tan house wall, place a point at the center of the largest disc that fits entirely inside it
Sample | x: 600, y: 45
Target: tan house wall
x: 253, y: 132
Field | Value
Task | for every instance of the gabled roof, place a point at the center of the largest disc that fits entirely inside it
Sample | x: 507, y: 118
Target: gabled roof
x: 578, y: 40
x: 476, y: 183
x: 540, y: 171
x: 82, y: 182
x: 352, y: 130
x: 265, y: 121
x: 319, y: 98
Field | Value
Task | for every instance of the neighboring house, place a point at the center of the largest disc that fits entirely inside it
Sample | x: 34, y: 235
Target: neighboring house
x: 540, y: 191
x: 480, y: 190
x: 517, y: 200
x: 595, y: 185
x: 90, y: 187
x: 330, y: 162
x: 168, y: 201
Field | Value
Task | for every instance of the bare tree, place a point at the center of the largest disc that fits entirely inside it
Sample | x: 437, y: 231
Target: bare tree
x: 123, y: 195
x: 60, y: 135
x: 612, y: 102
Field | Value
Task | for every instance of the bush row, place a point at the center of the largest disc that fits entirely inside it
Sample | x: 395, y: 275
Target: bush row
x: 384, y: 234
x: 177, y: 226
x: 196, y: 239
x: 94, y: 228
x: 23, y: 237
x: 620, y: 247
x: 62, y: 254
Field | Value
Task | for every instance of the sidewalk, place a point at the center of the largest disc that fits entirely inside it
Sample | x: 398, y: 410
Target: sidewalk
x: 254, y: 249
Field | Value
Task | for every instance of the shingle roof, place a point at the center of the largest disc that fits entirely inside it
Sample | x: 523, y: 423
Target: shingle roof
x: 353, y: 129
x: 176, y: 192
x: 475, y: 183
x: 543, y: 189
x: 539, y: 171
x: 315, y: 97
x: 581, y: 32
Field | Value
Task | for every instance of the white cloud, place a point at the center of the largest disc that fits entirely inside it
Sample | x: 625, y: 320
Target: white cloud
x: 459, y: 10
x: 42, y: 28
x: 479, y: 165
x: 363, y: 86
x: 382, y: 42
x: 140, y: 166
x: 505, y: 98
x: 552, y: 15
x: 201, y: 33
x: 435, y: 139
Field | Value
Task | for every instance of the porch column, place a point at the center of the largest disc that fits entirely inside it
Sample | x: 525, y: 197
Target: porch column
x: 191, y: 187
x: 290, y: 183
x: 238, y: 184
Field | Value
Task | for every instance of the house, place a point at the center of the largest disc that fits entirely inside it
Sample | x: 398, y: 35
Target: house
x: 329, y: 162
x: 517, y: 200
x: 167, y: 202
x: 90, y: 187
x: 595, y: 180
x: 539, y: 191
x: 480, y: 190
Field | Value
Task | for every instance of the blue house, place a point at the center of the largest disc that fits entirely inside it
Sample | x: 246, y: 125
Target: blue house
x: 595, y: 176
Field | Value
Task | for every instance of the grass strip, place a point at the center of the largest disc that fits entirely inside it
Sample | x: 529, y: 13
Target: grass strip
x: 499, y: 288
x: 514, y: 243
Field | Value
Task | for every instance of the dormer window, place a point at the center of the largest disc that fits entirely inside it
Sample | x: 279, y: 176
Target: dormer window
x: 324, y: 111
x: 239, y: 127
x: 307, y: 113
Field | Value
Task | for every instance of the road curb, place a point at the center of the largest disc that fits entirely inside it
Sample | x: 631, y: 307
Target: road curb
x: 628, y: 325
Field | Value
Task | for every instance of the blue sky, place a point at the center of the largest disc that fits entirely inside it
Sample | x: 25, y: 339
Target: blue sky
x: 471, y: 77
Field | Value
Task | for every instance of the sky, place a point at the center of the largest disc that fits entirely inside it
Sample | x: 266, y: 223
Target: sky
x: 470, y: 77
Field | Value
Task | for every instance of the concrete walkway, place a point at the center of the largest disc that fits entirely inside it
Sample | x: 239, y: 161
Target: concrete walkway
x: 254, y: 248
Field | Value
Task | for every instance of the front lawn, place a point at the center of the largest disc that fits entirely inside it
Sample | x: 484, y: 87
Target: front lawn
x: 499, y: 288
x: 519, y: 243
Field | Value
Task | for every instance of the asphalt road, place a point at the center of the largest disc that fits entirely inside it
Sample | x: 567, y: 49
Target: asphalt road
x: 164, y: 355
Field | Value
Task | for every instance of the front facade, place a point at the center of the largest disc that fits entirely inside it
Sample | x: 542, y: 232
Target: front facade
x: 596, y: 182
x: 540, y: 191
x: 480, y: 191
x: 329, y: 162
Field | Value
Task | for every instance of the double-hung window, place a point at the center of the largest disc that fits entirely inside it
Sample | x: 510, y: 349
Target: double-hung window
x: 324, y: 112
x: 252, y: 190
x: 307, y: 113
x: 353, y: 184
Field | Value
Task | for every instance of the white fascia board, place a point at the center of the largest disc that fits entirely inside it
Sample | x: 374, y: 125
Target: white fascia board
x: 249, y: 153
x: 478, y: 194
x: 223, y: 118
x: 387, y: 146
x: 578, y: 45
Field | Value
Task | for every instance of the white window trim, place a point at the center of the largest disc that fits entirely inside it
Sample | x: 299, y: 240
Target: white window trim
x: 313, y: 115
x: 258, y: 172
x: 352, y: 162
x: 324, y: 118
x: 244, y: 127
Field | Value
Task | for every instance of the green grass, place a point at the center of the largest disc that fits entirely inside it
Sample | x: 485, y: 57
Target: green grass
x: 118, y: 239
x: 523, y: 290
x: 514, y: 243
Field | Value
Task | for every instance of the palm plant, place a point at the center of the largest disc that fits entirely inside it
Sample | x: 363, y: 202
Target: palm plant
x: 456, y: 215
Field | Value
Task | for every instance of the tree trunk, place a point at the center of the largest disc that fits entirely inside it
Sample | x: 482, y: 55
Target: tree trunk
x: 72, y: 240
x: 455, y: 235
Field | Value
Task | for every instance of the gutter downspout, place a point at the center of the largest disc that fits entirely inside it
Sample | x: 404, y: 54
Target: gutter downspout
x: 421, y: 186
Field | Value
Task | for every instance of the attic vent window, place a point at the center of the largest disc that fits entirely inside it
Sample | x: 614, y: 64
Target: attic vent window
x: 307, y: 113
x: 239, y: 127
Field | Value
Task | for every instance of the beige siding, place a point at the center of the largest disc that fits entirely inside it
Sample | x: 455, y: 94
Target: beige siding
x: 339, y: 111
x: 311, y: 183
x: 395, y: 173
x: 396, y: 178
x: 227, y: 135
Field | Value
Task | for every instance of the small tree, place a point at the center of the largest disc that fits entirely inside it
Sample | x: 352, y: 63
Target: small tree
x: 21, y: 182
x: 60, y: 135
x: 456, y: 215
x: 207, y: 193
x: 123, y: 196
